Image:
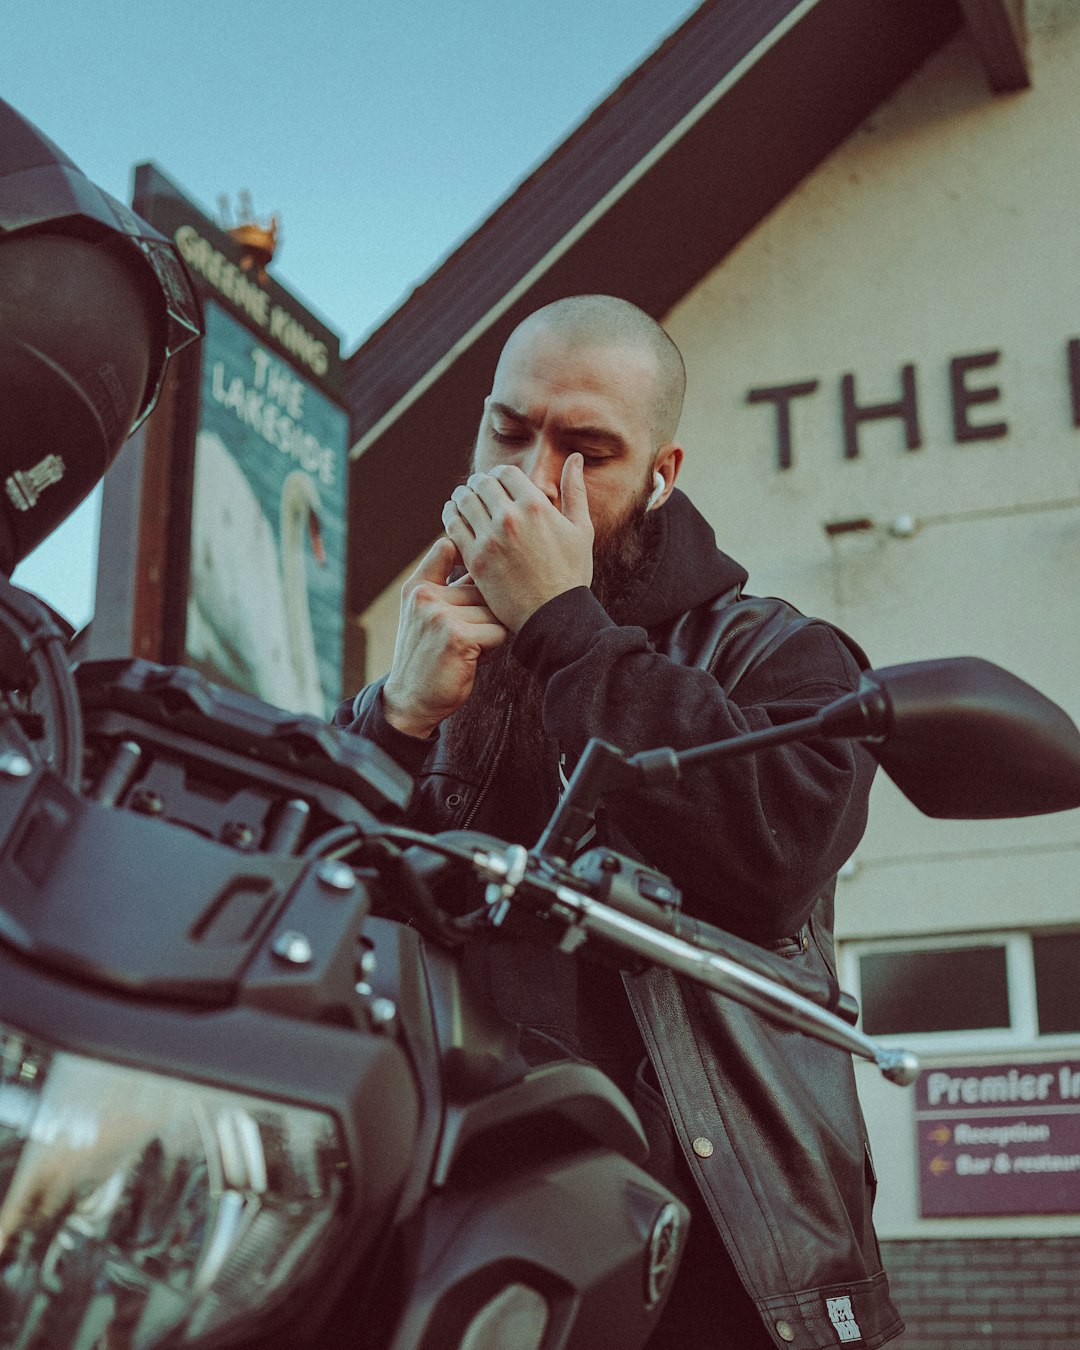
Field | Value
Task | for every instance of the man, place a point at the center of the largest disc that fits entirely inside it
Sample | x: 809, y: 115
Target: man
x: 578, y: 594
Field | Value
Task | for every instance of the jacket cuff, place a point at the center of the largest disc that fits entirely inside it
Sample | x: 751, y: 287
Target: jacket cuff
x: 408, y: 751
x: 560, y: 632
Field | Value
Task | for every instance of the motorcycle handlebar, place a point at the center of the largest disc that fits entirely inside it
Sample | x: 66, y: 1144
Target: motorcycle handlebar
x: 727, y: 964
x: 662, y: 936
x: 731, y: 977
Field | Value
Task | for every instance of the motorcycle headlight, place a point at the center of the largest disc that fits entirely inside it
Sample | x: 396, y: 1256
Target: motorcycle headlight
x: 135, y: 1207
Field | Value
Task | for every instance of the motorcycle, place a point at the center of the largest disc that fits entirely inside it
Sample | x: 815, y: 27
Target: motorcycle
x: 247, y: 1097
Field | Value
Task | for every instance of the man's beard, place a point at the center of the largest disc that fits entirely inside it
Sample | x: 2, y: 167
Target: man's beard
x: 619, y: 551
x: 502, y: 681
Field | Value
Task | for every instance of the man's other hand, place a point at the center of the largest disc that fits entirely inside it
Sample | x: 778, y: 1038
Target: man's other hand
x: 520, y: 548
x: 443, y: 632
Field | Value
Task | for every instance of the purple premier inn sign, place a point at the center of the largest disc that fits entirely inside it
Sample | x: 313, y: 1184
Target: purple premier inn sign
x: 999, y: 1139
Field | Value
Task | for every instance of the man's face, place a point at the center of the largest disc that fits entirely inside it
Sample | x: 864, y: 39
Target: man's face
x: 551, y: 397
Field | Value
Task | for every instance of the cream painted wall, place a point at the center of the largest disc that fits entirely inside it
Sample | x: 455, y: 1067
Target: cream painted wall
x: 948, y: 225
x: 380, y: 621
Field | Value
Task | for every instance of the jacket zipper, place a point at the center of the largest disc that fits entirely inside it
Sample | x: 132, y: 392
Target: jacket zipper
x: 489, y: 776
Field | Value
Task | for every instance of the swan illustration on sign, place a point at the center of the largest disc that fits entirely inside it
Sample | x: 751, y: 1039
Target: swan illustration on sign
x: 248, y: 616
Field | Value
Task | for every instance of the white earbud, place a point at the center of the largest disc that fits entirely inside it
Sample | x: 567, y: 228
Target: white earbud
x: 658, y: 489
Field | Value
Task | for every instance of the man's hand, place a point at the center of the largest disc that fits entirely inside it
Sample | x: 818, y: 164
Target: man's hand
x: 520, y: 549
x: 443, y: 632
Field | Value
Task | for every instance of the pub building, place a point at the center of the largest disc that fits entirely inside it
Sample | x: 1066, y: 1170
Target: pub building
x: 858, y: 219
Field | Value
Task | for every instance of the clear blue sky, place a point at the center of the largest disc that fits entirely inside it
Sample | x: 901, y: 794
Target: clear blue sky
x: 379, y: 134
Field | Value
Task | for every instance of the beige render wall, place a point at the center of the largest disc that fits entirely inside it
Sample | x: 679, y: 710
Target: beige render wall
x: 947, y: 226
x: 380, y: 621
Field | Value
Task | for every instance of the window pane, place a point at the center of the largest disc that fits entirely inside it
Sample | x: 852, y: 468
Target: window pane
x: 1057, y: 974
x: 952, y: 989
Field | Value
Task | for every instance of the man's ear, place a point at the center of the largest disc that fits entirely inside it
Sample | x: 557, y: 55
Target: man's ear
x: 668, y: 462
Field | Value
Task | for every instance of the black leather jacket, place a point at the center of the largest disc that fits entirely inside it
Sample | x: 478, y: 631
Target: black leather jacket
x: 768, y: 1119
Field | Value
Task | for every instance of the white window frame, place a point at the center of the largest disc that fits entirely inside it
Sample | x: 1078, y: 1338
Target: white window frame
x: 1023, y: 1030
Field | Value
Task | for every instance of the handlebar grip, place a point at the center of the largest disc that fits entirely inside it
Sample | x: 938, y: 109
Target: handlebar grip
x: 819, y: 989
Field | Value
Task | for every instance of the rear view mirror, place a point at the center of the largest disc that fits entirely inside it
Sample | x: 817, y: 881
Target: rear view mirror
x: 966, y: 740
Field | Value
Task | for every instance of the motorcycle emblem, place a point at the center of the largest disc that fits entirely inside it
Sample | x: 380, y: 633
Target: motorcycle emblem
x: 662, y: 1256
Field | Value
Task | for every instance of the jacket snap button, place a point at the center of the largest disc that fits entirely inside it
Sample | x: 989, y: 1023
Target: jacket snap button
x: 785, y: 1330
x: 453, y: 801
x: 703, y: 1147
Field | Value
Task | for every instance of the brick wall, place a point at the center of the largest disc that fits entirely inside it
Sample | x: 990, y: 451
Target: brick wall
x: 987, y: 1293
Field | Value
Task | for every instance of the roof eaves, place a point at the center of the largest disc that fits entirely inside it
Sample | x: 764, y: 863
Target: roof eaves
x: 582, y: 177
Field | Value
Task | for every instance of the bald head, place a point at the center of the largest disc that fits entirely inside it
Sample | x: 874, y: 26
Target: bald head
x: 591, y: 321
x: 593, y: 380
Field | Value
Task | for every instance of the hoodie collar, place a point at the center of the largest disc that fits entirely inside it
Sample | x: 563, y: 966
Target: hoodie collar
x: 683, y: 567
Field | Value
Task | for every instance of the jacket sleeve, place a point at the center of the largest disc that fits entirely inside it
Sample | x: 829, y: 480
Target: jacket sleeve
x: 750, y: 840
x: 363, y: 716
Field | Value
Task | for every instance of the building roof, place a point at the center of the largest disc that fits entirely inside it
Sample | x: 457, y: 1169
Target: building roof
x: 649, y: 193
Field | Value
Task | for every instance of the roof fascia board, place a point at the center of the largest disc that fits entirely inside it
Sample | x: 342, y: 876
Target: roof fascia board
x: 581, y: 227
x: 999, y: 28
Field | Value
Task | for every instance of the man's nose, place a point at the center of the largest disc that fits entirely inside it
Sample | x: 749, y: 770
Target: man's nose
x: 544, y: 469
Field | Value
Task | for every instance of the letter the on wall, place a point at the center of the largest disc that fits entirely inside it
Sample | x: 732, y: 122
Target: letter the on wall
x: 781, y: 395
x: 906, y: 408
x: 964, y: 398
